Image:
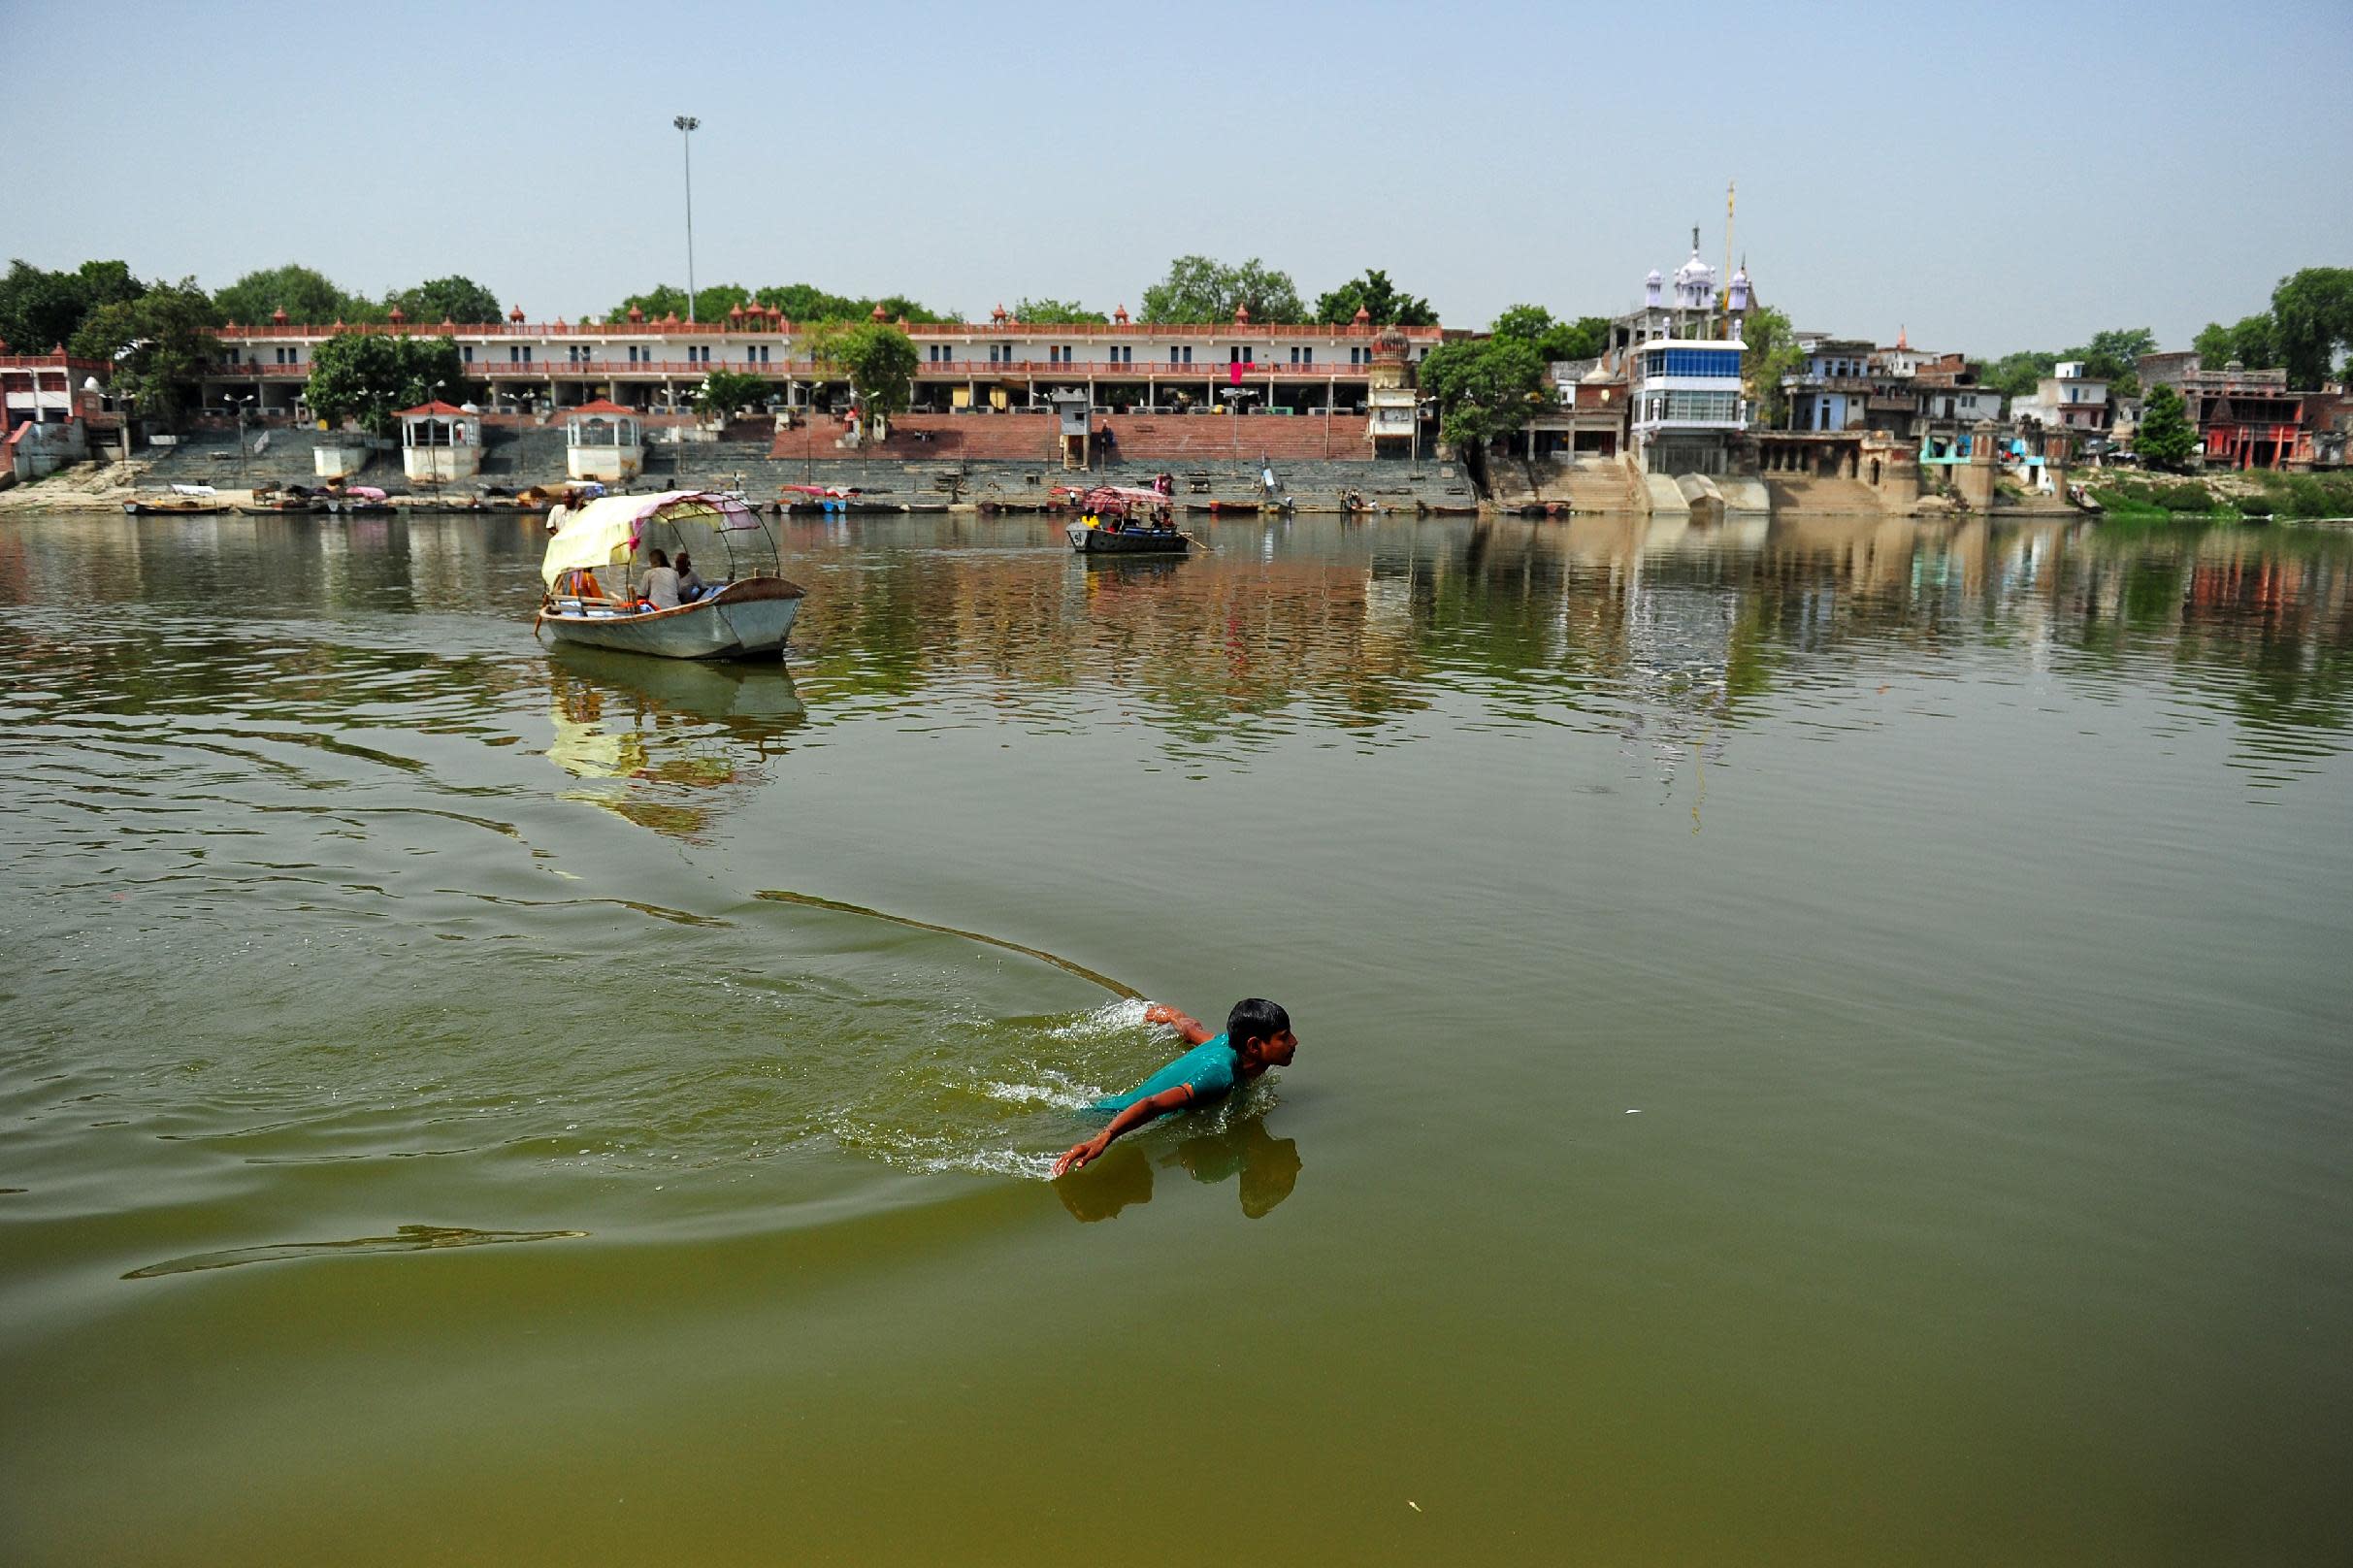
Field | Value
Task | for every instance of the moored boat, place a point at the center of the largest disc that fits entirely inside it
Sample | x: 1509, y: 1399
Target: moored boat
x: 596, y: 568
x: 177, y: 507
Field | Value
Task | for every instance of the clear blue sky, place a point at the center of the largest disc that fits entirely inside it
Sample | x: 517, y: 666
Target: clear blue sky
x: 1988, y: 177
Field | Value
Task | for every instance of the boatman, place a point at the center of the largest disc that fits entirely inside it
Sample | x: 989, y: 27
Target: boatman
x: 1257, y: 1036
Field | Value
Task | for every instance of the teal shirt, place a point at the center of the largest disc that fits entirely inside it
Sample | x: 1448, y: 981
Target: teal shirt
x: 1210, y: 1068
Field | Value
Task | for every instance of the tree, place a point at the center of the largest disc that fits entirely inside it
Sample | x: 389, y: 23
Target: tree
x: 40, y: 309
x: 1553, y: 340
x: 2164, y: 437
x: 1484, y: 388
x: 308, y: 297
x: 877, y: 357
x: 2015, y: 376
x: 2312, y: 314
x: 2115, y: 357
x: 454, y: 299
x: 160, y: 344
x: 368, y: 377
x: 657, y: 302
x: 1772, y: 352
x: 1054, y: 312
x: 1381, y: 300
x: 807, y: 303
x: 2253, y: 341
x: 1199, y: 289
x: 724, y: 391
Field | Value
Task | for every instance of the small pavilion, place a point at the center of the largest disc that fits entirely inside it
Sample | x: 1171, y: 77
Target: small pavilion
x: 604, y: 441
x: 441, y: 442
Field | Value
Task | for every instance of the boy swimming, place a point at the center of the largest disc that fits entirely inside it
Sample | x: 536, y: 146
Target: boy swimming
x: 1257, y: 1036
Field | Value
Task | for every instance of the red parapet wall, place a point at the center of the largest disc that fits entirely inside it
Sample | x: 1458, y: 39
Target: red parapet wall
x: 1025, y: 438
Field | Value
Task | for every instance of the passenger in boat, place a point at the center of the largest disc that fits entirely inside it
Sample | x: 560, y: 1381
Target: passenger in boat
x: 1257, y: 1036
x: 660, y: 590
x: 691, y: 585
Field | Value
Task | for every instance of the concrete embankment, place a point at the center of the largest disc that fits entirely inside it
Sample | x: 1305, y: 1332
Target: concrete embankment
x: 918, y: 477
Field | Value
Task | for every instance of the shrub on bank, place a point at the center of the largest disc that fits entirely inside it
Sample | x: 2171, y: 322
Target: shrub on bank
x: 2158, y: 497
x: 2305, y: 495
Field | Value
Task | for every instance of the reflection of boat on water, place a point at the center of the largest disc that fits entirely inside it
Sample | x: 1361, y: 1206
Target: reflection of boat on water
x: 746, y: 615
x: 1141, y: 568
x: 668, y: 744
x: 708, y: 689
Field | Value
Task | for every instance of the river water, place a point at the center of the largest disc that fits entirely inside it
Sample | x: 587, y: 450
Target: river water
x: 1820, y: 1042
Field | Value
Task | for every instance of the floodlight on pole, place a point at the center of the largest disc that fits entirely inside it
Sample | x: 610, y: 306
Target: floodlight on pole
x: 687, y: 125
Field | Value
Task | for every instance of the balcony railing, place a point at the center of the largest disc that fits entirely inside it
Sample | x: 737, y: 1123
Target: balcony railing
x: 1207, y: 331
x: 949, y: 370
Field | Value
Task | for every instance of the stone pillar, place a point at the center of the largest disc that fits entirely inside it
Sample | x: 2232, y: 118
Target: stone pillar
x: 1973, y: 481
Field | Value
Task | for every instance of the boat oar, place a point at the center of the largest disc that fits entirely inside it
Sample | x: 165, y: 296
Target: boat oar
x: 1191, y: 538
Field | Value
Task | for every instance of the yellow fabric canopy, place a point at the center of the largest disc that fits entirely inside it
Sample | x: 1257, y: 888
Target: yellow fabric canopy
x: 604, y: 533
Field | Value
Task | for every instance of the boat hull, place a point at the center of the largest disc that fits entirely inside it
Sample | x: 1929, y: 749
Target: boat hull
x: 148, y: 508
x: 744, y: 620
x: 1140, y: 541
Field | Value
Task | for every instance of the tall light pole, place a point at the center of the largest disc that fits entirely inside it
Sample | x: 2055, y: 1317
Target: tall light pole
x: 687, y: 125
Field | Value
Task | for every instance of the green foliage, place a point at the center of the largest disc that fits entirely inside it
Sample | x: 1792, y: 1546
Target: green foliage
x: 2305, y: 495
x: 2254, y: 342
x: 1552, y: 339
x: 2115, y: 357
x: 39, y: 309
x: 2313, y: 314
x: 1383, y: 301
x: 1054, y: 312
x: 1484, y: 388
x: 2165, y: 438
x: 1772, y: 352
x: 368, y: 377
x: 159, y: 343
x: 308, y: 297
x: 2015, y: 376
x: 1199, y: 289
x: 878, y: 358
x: 2176, y: 497
x: 724, y: 391
x: 802, y: 304
x: 453, y: 299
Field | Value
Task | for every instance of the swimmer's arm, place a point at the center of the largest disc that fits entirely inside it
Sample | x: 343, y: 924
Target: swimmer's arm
x: 1185, y: 1024
x: 1128, y: 1121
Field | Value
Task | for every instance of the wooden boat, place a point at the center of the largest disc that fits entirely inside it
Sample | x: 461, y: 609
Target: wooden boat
x: 748, y: 615
x: 1121, y: 520
x: 176, y: 507
x: 278, y: 504
x: 1127, y: 540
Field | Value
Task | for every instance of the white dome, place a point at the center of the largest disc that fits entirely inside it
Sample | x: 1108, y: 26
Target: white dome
x: 1695, y: 271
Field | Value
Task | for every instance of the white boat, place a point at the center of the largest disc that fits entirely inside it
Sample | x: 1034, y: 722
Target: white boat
x: 596, y: 559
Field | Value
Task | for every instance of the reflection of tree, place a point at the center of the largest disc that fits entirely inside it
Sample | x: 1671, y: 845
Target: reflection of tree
x: 1357, y: 625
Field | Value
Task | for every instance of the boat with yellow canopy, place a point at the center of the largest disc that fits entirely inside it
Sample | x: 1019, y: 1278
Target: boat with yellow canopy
x: 597, y: 572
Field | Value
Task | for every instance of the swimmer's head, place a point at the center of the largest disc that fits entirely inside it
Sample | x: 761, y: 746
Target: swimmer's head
x: 1260, y: 1030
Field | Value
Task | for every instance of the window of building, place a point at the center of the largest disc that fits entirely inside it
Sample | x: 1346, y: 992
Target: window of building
x: 1240, y: 356
x: 1181, y: 356
x: 465, y: 353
